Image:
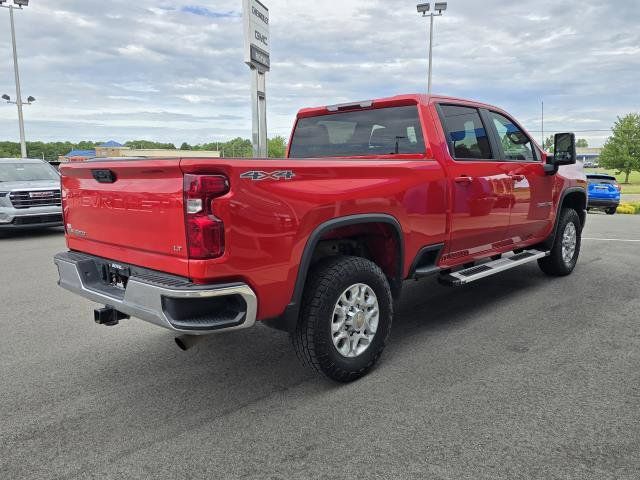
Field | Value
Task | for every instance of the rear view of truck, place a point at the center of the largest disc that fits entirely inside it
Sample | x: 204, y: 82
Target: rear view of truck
x: 318, y: 244
x: 207, y: 245
x: 120, y: 215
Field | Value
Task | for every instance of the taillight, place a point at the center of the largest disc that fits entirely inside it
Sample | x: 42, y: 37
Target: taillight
x: 617, y: 186
x: 63, y: 205
x: 205, y: 232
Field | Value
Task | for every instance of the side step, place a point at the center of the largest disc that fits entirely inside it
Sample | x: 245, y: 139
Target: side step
x: 468, y: 275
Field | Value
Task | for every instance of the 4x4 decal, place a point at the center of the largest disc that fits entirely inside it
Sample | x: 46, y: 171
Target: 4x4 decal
x: 257, y: 175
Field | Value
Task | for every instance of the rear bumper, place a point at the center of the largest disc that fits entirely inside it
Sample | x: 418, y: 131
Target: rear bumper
x: 603, y: 202
x: 164, y: 300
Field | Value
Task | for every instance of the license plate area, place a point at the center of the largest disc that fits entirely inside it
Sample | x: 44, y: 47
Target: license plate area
x: 116, y: 275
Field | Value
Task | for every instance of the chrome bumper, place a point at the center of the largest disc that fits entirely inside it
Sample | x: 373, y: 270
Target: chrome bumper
x: 149, y: 298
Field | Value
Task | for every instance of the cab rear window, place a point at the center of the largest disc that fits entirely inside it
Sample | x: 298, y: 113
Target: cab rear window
x: 593, y: 179
x: 382, y: 131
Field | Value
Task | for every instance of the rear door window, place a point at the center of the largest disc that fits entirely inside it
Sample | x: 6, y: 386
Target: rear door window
x: 465, y: 132
x: 381, y: 131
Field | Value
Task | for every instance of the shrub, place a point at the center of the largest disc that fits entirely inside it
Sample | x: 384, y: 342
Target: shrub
x: 628, y: 209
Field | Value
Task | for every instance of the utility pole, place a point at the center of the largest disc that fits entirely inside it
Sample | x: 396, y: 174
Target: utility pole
x: 430, y: 54
x: 542, y: 124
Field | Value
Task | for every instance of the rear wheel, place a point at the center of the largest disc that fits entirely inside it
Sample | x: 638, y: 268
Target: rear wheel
x: 566, y: 246
x: 611, y: 211
x: 346, y: 318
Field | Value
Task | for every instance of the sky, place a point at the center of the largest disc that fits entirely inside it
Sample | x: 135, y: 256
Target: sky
x: 174, y: 71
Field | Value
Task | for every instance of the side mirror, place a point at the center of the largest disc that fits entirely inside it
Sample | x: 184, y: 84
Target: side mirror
x: 564, y: 152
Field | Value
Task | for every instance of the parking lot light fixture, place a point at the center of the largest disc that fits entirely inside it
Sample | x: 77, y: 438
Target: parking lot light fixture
x: 424, y: 8
x: 28, y: 101
x: 440, y: 7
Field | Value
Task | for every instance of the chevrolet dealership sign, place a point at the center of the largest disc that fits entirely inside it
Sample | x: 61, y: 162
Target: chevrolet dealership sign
x: 256, y: 35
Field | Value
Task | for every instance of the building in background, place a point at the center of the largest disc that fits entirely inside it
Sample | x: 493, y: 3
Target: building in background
x: 590, y: 157
x: 115, y: 149
x: 78, y: 156
x: 110, y: 149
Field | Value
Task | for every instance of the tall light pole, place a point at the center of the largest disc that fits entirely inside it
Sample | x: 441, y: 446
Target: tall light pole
x: 17, y: 4
x: 542, y: 124
x: 423, y: 8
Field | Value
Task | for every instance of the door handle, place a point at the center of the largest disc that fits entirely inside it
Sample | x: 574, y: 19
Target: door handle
x: 464, y: 179
x: 518, y: 178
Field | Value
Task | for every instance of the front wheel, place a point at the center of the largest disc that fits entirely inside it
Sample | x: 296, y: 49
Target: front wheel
x: 346, y: 318
x: 566, y: 246
x: 611, y: 211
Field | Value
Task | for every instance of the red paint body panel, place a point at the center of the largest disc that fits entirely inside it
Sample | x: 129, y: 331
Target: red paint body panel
x: 268, y: 223
x: 139, y: 219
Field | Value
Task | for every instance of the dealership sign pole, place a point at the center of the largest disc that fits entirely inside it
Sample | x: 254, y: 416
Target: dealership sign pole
x: 256, y: 38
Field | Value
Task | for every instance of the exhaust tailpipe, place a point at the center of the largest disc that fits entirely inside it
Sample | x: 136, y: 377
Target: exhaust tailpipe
x: 186, y: 342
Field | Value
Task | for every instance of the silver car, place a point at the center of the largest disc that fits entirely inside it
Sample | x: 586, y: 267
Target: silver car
x: 29, y: 194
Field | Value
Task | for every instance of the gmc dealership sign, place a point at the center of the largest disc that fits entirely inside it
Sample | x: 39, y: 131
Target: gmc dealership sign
x: 256, y: 35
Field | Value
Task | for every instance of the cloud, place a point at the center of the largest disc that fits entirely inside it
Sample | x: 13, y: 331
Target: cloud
x: 175, y: 71
x: 205, y: 12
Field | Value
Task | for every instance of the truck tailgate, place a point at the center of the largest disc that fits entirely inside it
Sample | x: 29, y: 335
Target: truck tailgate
x: 131, y: 211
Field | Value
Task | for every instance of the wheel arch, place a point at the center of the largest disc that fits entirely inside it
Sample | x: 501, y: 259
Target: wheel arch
x: 290, y: 316
x: 577, y: 199
x: 573, y: 197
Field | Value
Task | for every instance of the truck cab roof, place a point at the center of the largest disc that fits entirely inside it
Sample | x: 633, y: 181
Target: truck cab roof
x: 396, y: 100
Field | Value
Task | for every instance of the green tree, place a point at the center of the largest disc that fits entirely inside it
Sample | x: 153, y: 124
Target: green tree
x: 185, y: 146
x: 277, y: 147
x: 86, y: 145
x: 48, y: 150
x: 622, y: 150
x: 237, y: 148
x: 582, y: 143
x: 146, y: 144
x: 547, y: 145
x: 9, y: 149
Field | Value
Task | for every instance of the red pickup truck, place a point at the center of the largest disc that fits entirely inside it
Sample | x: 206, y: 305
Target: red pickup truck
x: 319, y: 243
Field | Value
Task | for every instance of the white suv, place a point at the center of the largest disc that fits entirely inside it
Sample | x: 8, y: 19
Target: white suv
x: 29, y: 194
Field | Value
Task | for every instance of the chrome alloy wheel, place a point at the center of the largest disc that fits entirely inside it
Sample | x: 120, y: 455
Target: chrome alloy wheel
x: 569, y: 241
x: 355, y: 320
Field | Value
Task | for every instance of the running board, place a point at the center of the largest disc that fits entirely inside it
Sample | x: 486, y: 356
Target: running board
x: 468, y: 275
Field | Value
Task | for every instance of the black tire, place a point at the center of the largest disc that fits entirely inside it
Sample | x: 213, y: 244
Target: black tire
x: 555, y: 265
x: 611, y: 211
x: 313, y: 338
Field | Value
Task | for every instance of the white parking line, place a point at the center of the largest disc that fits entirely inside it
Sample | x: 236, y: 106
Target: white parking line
x: 611, y: 239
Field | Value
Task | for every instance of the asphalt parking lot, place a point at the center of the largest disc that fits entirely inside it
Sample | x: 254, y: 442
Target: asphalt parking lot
x: 518, y: 376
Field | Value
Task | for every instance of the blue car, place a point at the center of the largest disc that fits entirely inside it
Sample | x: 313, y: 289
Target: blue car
x: 604, y: 193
